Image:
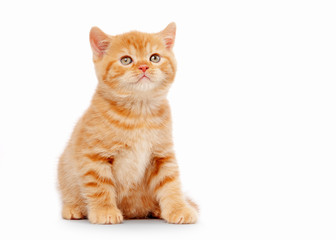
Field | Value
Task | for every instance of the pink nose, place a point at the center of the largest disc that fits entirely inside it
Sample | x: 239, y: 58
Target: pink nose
x: 143, y: 67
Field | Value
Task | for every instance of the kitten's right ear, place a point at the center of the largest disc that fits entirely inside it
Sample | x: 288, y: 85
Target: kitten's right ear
x: 99, y: 42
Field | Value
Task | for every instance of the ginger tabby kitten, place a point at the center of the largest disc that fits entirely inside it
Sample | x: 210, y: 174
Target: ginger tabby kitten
x: 119, y: 162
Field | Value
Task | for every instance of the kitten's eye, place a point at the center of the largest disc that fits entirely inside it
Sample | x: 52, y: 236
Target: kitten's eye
x: 126, y: 60
x: 155, y: 58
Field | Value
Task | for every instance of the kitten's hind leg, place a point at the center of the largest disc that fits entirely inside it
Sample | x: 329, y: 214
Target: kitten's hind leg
x: 74, y: 206
x: 73, y: 211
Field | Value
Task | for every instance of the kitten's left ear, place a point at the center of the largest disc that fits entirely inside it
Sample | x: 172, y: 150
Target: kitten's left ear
x: 168, y: 35
x: 99, y: 42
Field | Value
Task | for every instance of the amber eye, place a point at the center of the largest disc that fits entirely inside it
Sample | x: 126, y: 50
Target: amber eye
x: 126, y: 60
x: 155, y: 58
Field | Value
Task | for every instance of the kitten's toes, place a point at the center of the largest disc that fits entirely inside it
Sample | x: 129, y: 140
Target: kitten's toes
x: 105, y: 216
x: 72, y: 212
x: 185, y: 215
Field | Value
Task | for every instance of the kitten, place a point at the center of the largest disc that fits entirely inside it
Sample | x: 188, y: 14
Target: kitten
x: 119, y: 162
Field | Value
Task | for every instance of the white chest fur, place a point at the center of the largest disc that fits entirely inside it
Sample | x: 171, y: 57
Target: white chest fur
x: 130, y: 165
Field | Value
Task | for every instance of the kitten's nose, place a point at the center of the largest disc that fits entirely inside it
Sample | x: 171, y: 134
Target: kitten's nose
x: 143, y: 67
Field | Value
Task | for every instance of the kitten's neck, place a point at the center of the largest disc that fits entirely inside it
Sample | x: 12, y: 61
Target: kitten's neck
x: 131, y: 105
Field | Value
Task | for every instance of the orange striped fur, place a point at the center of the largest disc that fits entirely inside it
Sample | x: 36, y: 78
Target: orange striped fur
x: 120, y: 162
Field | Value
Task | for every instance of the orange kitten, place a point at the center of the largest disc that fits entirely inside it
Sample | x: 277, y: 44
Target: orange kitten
x: 120, y: 161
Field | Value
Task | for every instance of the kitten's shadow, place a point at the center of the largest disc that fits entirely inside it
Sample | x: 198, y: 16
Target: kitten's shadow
x: 144, y: 222
x: 134, y: 228
x: 128, y: 222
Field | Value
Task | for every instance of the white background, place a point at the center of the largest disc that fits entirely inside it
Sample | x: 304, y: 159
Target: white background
x: 253, y: 107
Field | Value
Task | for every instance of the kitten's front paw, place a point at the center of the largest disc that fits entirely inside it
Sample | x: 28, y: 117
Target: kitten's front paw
x: 185, y: 215
x: 105, y: 216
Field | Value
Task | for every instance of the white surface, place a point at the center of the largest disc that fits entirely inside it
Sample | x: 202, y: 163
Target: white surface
x: 253, y: 107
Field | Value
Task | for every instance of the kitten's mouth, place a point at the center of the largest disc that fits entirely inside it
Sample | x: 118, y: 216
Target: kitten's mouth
x: 144, y: 78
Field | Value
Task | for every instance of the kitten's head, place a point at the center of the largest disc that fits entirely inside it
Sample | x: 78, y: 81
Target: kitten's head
x: 134, y: 63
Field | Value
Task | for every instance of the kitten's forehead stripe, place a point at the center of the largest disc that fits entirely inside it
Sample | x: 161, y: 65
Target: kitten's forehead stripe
x: 148, y: 48
x: 137, y: 43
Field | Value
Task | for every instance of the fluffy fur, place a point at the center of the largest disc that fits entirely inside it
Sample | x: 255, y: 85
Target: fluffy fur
x: 119, y: 162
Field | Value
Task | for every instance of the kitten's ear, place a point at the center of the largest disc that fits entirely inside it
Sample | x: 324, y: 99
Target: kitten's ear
x: 99, y: 42
x: 168, y: 35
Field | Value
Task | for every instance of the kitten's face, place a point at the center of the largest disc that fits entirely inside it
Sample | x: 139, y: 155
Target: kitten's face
x: 134, y: 62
